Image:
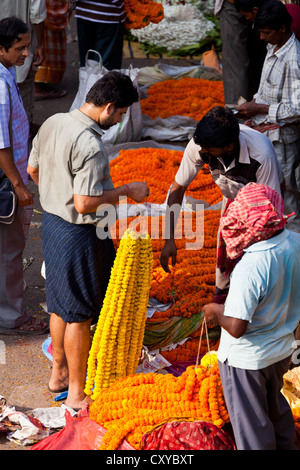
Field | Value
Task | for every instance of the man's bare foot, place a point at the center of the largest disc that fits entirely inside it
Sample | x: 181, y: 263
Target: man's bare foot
x: 58, y: 386
x: 59, y: 380
x: 78, y: 404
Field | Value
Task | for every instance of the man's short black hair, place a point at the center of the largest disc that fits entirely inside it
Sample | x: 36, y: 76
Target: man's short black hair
x: 114, y: 87
x: 273, y: 15
x: 10, y: 30
x: 218, y: 128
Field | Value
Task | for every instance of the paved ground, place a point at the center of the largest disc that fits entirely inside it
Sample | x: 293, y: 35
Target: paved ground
x: 24, y: 369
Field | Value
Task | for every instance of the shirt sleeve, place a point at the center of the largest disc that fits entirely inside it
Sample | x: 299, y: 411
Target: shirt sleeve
x: 89, y: 179
x: 4, y: 115
x: 245, y: 291
x: 287, y: 110
x: 190, y: 165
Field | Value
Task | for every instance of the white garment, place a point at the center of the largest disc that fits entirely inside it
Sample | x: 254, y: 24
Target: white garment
x: 31, y: 12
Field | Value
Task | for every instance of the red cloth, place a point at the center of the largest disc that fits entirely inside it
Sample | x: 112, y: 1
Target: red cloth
x: 254, y: 215
x: 294, y: 11
x: 185, y: 435
x: 79, y: 433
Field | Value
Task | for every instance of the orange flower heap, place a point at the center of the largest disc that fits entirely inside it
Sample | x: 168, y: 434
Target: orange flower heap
x: 158, y: 168
x: 139, y: 13
x: 136, y: 404
x: 188, y: 96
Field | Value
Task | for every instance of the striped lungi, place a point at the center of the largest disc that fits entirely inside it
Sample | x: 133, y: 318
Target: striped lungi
x: 53, y: 68
x: 78, y: 266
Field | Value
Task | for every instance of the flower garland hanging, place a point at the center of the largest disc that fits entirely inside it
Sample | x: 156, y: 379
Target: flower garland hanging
x: 135, y: 404
x: 191, y: 283
x: 118, y: 339
x: 140, y: 13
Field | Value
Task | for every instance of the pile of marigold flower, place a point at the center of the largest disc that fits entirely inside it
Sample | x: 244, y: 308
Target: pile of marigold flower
x: 188, y: 96
x: 134, y: 405
x: 118, y: 339
x: 139, y: 13
x: 145, y: 164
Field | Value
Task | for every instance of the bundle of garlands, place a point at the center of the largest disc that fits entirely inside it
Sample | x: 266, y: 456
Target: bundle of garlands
x: 118, y: 339
x: 188, y: 96
x: 144, y: 164
x: 138, y: 403
x: 139, y: 13
x: 191, y: 283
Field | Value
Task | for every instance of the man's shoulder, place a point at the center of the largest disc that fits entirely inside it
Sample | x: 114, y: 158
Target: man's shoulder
x: 258, y: 141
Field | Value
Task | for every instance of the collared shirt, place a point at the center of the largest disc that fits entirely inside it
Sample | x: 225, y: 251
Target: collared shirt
x: 257, y: 162
x: 72, y: 160
x: 280, y: 88
x: 264, y: 290
x: 20, y: 125
x: 101, y: 11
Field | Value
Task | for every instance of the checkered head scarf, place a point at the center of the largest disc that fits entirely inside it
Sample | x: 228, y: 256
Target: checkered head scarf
x: 254, y: 215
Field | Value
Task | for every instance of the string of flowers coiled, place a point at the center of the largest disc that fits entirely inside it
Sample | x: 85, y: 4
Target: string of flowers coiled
x: 137, y: 403
x: 119, y: 334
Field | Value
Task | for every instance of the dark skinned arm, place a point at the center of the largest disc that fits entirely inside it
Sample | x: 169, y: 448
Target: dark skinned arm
x: 214, y: 315
x: 169, y: 250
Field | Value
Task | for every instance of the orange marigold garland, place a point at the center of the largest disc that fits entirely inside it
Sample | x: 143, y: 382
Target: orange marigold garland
x: 188, y: 96
x: 139, y: 13
x: 135, y: 404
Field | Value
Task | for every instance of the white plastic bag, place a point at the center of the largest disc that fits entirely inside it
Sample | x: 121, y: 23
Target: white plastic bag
x: 130, y: 129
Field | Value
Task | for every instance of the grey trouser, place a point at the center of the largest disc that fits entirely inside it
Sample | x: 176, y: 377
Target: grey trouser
x: 235, y: 56
x: 26, y: 89
x: 289, y: 158
x: 12, y: 244
x: 260, y: 416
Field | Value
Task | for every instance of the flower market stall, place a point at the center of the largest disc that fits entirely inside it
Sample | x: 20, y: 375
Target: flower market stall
x: 178, y: 403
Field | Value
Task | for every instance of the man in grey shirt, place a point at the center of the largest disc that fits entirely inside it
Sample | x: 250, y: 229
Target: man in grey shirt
x: 69, y: 163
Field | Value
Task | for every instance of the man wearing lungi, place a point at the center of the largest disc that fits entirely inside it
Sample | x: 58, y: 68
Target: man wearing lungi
x: 258, y: 319
x: 69, y: 163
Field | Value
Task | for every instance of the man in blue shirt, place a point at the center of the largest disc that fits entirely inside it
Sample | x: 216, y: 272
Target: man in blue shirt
x: 14, y: 152
x: 258, y: 319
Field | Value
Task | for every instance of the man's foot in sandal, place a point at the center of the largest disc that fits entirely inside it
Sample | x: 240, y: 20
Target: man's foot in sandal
x: 33, y: 326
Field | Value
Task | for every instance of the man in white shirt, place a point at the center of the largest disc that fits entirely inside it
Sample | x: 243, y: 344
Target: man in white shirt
x: 236, y: 155
x: 275, y: 109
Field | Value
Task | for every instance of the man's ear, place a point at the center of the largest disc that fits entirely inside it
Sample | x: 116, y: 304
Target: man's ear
x: 255, y: 11
x: 109, y: 109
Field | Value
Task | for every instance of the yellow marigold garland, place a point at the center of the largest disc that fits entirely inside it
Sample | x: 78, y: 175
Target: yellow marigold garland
x: 137, y: 403
x: 118, y: 338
